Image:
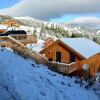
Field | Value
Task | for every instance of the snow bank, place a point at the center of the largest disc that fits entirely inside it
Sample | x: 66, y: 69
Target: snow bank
x: 22, y: 79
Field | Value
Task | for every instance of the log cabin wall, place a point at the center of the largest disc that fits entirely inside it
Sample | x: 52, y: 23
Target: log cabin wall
x: 65, y: 55
x: 19, y: 37
x: 94, y: 64
x: 25, y: 39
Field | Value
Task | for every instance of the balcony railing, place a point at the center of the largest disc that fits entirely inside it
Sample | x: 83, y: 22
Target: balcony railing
x: 62, y: 67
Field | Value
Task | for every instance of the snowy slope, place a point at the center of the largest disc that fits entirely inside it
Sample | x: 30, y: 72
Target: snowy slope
x: 22, y: 79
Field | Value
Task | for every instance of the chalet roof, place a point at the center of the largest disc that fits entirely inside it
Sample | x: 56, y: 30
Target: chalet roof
x: 83, y: 46
x: 14, y: 32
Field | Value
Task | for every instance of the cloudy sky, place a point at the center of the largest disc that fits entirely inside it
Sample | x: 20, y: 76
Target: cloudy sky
x: 83, y: 11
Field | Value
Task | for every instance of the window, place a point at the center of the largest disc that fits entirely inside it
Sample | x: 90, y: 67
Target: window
x: 50, y: 59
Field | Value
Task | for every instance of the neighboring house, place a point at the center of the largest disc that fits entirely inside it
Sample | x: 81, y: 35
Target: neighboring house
x: 21, y: 36
x: 48, y: 41
x: 80, y: 50
x: 11, y: 22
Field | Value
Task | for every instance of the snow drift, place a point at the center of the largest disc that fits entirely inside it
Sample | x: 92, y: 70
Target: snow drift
x: 22, y: 79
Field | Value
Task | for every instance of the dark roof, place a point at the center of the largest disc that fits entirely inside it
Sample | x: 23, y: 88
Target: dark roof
x: 14, y: 32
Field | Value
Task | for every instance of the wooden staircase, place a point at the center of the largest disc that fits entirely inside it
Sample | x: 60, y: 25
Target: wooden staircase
x: 8, y: 41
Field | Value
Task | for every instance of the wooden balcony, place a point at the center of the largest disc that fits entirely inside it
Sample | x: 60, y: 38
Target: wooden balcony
x: 62, y: 67
x: 25, y: 39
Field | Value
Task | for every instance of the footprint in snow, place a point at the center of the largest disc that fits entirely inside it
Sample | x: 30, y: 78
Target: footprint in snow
x: 43, y: 93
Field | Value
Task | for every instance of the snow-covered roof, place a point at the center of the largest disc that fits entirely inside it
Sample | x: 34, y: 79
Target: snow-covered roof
x: 3, y: 27
x: 83, y: 46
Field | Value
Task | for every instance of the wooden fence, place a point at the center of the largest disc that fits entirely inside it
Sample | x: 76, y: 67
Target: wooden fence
x: 62, y: 67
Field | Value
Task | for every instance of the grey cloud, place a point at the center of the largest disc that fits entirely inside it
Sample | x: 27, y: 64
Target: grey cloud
x: 90, y: 21
x: 48, y: 9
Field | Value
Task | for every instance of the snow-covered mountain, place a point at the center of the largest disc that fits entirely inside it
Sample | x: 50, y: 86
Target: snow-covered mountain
x: 81, y: 28
x: 29, y: 21
x: 23, y: 79
x: 73, y: 27
x: 76, y: 28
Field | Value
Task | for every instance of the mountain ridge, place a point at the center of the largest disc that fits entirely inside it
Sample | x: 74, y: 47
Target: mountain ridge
x: 76, y: 28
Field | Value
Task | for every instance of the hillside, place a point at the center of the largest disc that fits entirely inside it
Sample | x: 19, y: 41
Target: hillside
x: 62, y: 29
x: 22, y: 79
x: 83, y: 28
x: 29, y: 21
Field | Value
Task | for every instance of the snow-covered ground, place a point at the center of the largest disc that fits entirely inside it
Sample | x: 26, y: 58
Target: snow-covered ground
x: 22, y: 79
x: 36, y: 47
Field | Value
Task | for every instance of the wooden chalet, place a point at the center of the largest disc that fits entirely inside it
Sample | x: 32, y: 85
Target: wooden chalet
x: 11, y: 22
x: 70, y: 55
x: 21, y: 36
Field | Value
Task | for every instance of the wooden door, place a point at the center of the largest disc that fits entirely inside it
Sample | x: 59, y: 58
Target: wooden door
x: 58, y: 56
